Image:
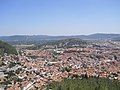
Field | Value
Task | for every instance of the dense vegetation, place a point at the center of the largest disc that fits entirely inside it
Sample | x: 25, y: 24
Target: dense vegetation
x: 85, y: 84
x: 6, y: 48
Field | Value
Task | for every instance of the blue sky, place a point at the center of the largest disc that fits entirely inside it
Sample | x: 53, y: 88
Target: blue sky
x: 59, y: 17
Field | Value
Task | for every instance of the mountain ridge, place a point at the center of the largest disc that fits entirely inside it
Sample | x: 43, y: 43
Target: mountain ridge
x: 96, y: 36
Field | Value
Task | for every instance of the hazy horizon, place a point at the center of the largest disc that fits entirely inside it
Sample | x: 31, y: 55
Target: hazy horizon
x: 55, y: 35
x: 59, y: 18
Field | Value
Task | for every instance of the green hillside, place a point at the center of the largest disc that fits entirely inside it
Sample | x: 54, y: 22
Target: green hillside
x: 6, y: 48
x: 85, y: 84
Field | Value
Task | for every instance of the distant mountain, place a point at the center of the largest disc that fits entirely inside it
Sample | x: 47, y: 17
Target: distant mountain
x: 116, y: 39
x: 41, y: 38
x: 101, y: 36
x: 6, y: 48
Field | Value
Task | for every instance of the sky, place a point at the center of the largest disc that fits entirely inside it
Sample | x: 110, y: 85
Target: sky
x: 59, y: 17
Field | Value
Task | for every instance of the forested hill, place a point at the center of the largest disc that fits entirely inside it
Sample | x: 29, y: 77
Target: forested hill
x: 71, y: 42
x: 6, y: 48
